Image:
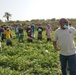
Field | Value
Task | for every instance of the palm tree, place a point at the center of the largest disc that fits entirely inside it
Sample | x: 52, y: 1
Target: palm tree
x: 7, y: 15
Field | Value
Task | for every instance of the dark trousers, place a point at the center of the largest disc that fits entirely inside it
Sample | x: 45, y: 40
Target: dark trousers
x: 3, y: 37
x: 8, y: 42
x: 48, y: 39
x: 71, y: 61
x: 29, y: 40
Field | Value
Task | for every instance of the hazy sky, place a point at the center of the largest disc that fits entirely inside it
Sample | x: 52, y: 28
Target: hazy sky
x: 38, y: 9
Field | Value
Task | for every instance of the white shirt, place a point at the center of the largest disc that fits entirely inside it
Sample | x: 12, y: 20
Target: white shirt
x: 65, y: 40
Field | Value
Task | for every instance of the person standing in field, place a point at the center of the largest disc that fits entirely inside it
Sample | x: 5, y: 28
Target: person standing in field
x: 29, y: 34
x: 0, y: 44
x: 40, y: 30
x: 33, y: 30
x: 64, y: 37
x: 2, y: 33
x: 21, y: 34
x: 48, y: 32
x: 8, y: 35
x: 0, y: 41
x: 71, y: 25
x: 16, y: 31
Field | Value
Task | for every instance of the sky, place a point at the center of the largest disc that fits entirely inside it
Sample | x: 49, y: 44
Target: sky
x: 38, y: 9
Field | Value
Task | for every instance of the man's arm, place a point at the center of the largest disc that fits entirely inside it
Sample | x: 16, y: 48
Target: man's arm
x: 55, y: 45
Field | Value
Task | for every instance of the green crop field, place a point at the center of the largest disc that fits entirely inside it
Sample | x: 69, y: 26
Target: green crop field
x: 37, y: 58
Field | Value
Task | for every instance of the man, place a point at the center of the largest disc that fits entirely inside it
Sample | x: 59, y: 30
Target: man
x: 8, y: 35
x: 64, y: 38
